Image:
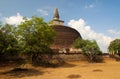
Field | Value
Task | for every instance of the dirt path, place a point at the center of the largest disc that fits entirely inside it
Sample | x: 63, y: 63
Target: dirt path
x: 72, y: 70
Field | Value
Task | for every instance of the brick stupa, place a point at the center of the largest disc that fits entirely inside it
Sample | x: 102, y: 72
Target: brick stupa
x: 65, y: 36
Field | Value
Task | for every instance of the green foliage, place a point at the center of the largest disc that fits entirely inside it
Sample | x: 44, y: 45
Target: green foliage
x: 8, y: 43
x: 114, y: 46
x: 50, y: 22
x: 92, y: 50
x: 86, y: 45
x: 89, y: 48
x: 35, y: 37
x: 79, y: 43
x: 32, y: 38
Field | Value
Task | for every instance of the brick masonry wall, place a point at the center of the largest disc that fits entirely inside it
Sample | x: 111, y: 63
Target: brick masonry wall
x: 72, y: 57
x: 65, y: 36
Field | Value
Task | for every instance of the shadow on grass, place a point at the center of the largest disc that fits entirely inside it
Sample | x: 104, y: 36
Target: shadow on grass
x: 12, y: 62
x: 74, y: 76
x: 21, y: 72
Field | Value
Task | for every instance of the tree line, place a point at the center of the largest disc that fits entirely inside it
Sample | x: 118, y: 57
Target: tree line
x: 32, y: 38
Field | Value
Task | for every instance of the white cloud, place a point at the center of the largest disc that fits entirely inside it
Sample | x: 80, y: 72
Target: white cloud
x: 14, y: 20
x: 114, y: 32
x: 89, y: 6
x: 43, y: 12
x: 87, y: 33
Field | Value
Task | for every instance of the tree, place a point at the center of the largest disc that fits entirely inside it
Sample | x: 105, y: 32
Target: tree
x: 79, y: 43
x: 89, y: 48
x: 8, y: 43
x: 35, y: 37
x: 114, y: 47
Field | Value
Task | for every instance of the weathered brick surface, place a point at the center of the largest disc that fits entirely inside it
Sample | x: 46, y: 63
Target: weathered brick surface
x: 65, y: 36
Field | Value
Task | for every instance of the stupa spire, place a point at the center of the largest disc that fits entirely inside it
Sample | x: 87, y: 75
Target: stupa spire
x: 56, y: 20
x: 56, y: 14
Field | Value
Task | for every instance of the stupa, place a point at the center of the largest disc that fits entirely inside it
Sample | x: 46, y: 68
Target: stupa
x: 65, y: 35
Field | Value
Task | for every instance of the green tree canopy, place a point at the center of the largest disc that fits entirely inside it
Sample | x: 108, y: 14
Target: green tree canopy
x: 114, y: 46
x: 86, y: 44
x: 79, y: 43
x: 89, y: 48
x: 35, y: 36
x: 8, y: 43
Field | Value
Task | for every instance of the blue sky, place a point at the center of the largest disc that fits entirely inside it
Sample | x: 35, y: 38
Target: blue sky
x: 98, y: 16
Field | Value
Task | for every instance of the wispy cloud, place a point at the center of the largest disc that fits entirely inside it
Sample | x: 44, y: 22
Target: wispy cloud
x: 91, y: 4
x: 114, y: 32
x: 14, y: 20
x: 43, y: 12
x: 88, y: 6
x: 87, y: 33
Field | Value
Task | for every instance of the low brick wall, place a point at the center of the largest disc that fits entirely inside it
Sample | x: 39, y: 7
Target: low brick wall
x: 72, y: 57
